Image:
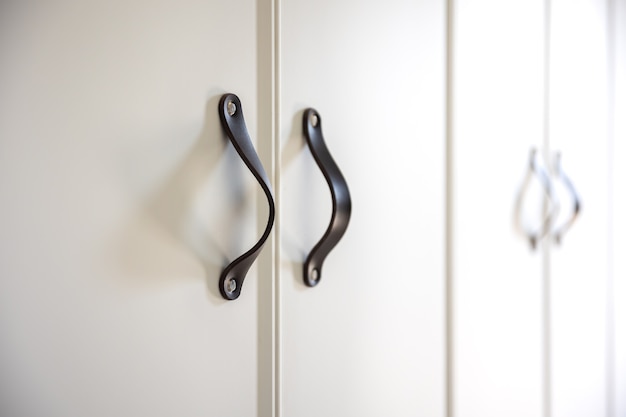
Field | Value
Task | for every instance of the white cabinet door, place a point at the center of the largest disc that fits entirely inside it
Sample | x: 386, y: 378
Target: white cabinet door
x: 579, y: 266
x: 617, y: 325
x: 121, y: 202
x: 497, y: 117
x: 368, y: 340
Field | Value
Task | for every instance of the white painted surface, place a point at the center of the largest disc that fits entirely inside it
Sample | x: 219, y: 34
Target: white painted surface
x: 497, y: 286
x: 121, y: 203
x: 369, y: 339
x: 618, y: 232
x: 579, y: 266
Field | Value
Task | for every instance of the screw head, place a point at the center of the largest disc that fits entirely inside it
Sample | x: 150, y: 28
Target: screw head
x: 313, y: 119
x: 231, y: 108
x: 315, y: 275
x: 230, y: 285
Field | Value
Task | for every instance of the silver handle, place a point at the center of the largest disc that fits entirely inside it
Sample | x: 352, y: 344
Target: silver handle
x: 559, y: 231
x: 552, y: 207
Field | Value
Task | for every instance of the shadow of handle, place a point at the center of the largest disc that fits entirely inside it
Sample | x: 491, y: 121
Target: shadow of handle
x: 233, y: 123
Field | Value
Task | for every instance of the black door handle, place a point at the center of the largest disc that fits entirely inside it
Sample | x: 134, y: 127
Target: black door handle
x: 231, y: 116
x: 342, y: 205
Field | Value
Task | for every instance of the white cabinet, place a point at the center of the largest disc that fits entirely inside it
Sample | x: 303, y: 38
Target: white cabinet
x: 578, y: 268
x: 122, y: 201
x: 496, y: 289
x: 617, y: 286
x: 368, y: 340
x: 532, y: 329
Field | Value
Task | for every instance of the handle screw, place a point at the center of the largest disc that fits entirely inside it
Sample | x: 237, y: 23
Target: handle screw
x: 231, y: 107
x: 231, y: 285
x: 315, y: 275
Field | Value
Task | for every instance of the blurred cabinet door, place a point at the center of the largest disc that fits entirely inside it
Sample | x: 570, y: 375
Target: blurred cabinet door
x: 497, y: 117
x: 579, y: 271
x: 368, y: 340
x: 532, y: 329
x: 121, y: 202
x: 617, y: 358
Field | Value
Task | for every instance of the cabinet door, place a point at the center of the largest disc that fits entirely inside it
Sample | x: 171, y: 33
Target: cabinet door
x: 368, y: 340
x: 121, y: 202
x: 497, y: 117
x: 617, y: 289
x: 579, y: 265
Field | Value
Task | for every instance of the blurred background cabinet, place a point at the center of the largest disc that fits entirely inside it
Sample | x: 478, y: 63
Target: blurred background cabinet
x: 533, y: 331
x: 496, y: 280
x: 122, y: 201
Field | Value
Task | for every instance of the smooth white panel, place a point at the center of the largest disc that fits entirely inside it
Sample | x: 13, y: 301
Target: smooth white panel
x: 497, y: 110
x: 618, y: 360
x: 121, y: 203
x: 369, y: 339
x: 579, y: 265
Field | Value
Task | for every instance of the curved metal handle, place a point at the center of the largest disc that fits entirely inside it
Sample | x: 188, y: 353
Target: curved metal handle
x: 231, y: 116
x: 342, y: 205
x: 534, y: 236
x: 560, y: 231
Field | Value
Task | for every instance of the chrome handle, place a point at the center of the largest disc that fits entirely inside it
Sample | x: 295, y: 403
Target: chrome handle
x: 560, y: 174
x: 536, y: 171
x: 342, y: 205
x: 231, y: 116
